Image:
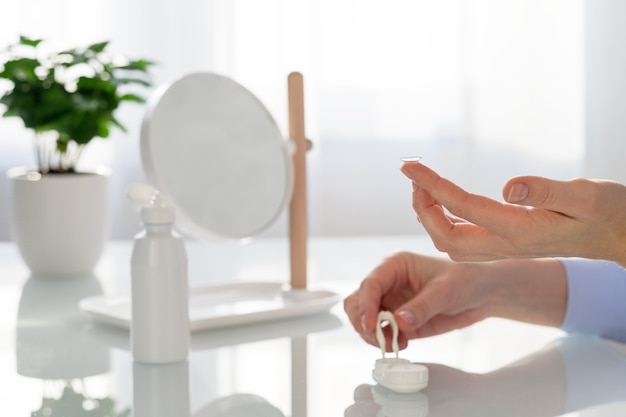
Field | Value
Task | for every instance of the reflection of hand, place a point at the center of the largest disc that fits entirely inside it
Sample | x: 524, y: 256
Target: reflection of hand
x: 579, y: 217
x: 452, y: 392
x: 364, y: 404
x: 378, y: 401
x: 430, y: 295
x: 533, y: 387
x: 536, y: 388
x: 571, y: 374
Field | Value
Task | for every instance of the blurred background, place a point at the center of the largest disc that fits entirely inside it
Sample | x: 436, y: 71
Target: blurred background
x: 482, y: 89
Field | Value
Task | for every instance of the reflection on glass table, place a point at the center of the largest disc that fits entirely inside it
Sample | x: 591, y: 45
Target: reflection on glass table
x: 163, y: 390
x: 571, y: 374
x: 57, y: 344
x: 51, y: 346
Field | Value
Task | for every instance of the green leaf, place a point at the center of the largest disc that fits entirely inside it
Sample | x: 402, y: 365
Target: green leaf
x: 117, y: 123
x: 98, y: 47
x: 127, y: 80
x: 29, y: 41
x: 139, y: 65
x: 78, y: 109
x: 20, y: 69
x: 132, y: 97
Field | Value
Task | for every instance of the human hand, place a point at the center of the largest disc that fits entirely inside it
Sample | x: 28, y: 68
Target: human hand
x: 433, y: 295
x: 543, y: 217
x: 427, y: 295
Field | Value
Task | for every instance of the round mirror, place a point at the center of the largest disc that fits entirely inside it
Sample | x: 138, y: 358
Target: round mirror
x: 215, y: 152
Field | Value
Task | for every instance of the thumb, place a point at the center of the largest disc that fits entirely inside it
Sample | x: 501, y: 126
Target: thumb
x: 431, y: 301
x: 538, y: 192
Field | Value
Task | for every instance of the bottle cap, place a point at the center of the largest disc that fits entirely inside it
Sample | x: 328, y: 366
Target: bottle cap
x: 158, y: 214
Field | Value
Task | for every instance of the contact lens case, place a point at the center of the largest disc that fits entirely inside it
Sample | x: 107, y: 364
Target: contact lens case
x: 396, y: 374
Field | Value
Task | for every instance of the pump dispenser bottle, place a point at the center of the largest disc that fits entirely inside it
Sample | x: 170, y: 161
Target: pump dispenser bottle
x: 160, y: 315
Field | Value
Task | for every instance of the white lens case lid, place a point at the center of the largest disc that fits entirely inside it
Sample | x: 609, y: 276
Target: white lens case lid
x: 396, y: 374
x: 400, y: 375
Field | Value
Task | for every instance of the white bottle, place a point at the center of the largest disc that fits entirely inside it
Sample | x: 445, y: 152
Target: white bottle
x: 160, y: 315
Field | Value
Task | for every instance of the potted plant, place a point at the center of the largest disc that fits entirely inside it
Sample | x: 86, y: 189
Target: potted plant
x: 67, y: 99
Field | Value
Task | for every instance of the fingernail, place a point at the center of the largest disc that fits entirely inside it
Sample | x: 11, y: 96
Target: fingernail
x: 363, y: 324
x: 517, y: 193
x: 415, y: 186
x: 408, y: 317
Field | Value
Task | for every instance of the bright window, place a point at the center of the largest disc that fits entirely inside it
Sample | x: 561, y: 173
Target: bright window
x: 482, y: 89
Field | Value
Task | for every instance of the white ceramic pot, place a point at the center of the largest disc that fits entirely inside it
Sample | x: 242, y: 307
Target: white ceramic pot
x: 60, y: 222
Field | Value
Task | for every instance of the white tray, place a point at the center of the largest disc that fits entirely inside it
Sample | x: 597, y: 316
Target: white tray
x: 224, y: 305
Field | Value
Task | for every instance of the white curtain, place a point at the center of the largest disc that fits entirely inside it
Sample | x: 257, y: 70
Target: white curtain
x: 482, y: 89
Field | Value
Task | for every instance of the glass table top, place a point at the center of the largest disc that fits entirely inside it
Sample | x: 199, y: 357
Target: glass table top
x: 55, y: 361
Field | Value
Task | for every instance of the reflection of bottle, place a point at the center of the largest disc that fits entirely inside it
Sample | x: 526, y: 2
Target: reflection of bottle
x: 160, y: 315
x: 161, y: 390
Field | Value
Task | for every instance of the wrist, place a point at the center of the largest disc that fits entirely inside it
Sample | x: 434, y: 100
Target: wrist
x: 529, y: 290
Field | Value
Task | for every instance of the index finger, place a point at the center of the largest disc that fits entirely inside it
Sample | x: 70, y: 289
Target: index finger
x: 461, y: 240
x: 477, y: 209
x: 375, y: 286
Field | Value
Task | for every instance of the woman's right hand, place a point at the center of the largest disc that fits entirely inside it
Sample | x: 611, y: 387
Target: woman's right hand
x: 432, y: 295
